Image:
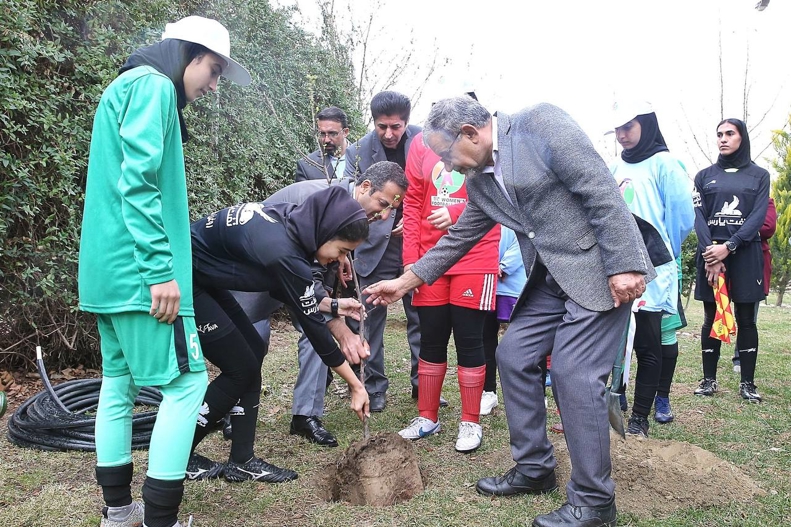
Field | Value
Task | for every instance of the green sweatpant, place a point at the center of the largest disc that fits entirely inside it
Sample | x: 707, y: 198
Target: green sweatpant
x: 174, y: 428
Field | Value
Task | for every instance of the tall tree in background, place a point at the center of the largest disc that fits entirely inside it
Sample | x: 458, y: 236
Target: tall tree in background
x: 379, y: 64
x: 734, y: 84
x: 780, y: 243
x: 56, y: 58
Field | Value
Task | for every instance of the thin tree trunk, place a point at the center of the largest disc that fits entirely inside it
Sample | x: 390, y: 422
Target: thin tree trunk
x: 689, y: 295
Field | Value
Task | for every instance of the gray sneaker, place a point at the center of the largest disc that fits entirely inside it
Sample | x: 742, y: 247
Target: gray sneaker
x: 749, y: 392
x: 178, y: 524
x: 638, y: 426
x: 127, y: 516
x: 707, y: 387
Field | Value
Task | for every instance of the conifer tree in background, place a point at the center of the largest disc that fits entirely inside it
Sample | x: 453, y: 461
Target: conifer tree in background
x: 780, y: 243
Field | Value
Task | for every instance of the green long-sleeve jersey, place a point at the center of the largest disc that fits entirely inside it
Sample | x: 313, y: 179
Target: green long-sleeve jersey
x: 135, y: 230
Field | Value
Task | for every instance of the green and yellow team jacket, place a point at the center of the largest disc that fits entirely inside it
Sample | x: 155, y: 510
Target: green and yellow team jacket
x: 135, y: 230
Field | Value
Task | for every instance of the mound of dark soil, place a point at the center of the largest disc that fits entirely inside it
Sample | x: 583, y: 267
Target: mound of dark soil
x: 381, y: 470
x: 655, y: 478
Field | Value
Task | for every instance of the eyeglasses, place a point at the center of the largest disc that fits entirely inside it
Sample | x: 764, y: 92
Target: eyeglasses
x: 331, y: 135
x: 446, y: 154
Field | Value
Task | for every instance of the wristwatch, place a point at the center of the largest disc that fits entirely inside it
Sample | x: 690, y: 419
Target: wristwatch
x: 731, y: 246
x: 334, y: 307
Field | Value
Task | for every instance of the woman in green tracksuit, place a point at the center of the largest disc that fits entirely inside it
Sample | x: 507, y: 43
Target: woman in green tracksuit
x: 136, y: 263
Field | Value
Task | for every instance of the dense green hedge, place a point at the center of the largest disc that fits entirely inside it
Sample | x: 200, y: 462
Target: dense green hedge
x: 56, y: 57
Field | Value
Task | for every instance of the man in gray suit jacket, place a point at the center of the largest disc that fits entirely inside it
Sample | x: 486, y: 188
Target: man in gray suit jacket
x: 329, y: 161
x: 538, y: 174
x: 379, y: 257
x: 379, y: 190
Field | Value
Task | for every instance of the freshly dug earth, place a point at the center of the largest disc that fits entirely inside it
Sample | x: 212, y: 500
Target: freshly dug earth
x: 381, y: 470
x: 655, y: 478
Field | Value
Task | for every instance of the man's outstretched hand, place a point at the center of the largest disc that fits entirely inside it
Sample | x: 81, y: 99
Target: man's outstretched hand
x: 388, y: 291
x: 385, y: 292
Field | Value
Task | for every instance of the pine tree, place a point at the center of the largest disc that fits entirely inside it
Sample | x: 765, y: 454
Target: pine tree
x: 780, y: 243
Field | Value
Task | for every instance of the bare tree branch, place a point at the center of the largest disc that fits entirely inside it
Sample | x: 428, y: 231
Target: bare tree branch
x: 771, y: 143
x: 769, y: 109
x: 295, y: 145
x: 694, y: 135
x: 745, y: 91
x: 722, y: 77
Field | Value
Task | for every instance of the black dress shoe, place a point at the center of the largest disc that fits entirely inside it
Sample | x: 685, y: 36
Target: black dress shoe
x: 442, y: 401
x: 570, y: 516
x: 312, y: 429
x: 514, y: 482
x: 377, y: 401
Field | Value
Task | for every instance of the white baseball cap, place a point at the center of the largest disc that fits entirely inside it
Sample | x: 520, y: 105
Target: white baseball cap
x: 212, y: 35
x: 625, y: 111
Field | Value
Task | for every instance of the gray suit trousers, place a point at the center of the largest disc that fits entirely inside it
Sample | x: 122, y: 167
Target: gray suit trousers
x: 311, y: 384
x: 583, y: 344
x: 311, y: 380
x: 375, y: 379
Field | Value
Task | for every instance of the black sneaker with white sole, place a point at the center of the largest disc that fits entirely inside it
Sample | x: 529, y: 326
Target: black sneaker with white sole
x: 258, y: 470
x: 749, y: 392
x: 707, y: 387
x: 200, y: 468
x: 638, y: 426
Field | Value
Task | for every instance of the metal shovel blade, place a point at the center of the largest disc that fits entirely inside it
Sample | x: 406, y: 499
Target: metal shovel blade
x: 614, y: 412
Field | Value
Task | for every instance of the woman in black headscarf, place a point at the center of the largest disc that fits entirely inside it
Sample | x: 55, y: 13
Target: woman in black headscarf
x: 731, y: 198
x: 135, y: 269
x: 256, y: 247
x: 656, y: 189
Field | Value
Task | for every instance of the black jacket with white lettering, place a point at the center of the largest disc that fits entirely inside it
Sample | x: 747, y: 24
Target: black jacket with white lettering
x: 247, y: 248
x: 730, y: 205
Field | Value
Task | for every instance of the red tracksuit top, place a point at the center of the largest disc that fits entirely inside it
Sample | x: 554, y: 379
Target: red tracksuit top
x: 431, y: 187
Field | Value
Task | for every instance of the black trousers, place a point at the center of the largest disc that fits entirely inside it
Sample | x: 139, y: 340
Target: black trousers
x: 746, y: 314
x: 648, y: 349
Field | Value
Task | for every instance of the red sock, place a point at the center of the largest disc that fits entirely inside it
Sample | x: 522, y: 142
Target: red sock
x: 429, y: 386
x: 471, y: 387
x: 549, y: 362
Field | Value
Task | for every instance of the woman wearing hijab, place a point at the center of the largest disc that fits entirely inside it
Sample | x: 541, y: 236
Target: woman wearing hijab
x: 656, y: 189
x: 256, y: 247
x: 731, y: 199
x: 136, y: 266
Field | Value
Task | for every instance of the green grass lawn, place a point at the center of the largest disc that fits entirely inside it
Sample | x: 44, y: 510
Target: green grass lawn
x: 58, y: 489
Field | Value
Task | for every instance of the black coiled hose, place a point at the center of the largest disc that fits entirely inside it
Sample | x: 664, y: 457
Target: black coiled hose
x: 60, y: 418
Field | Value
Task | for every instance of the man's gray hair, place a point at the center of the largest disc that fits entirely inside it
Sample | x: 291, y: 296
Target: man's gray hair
x: 448, y: 115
